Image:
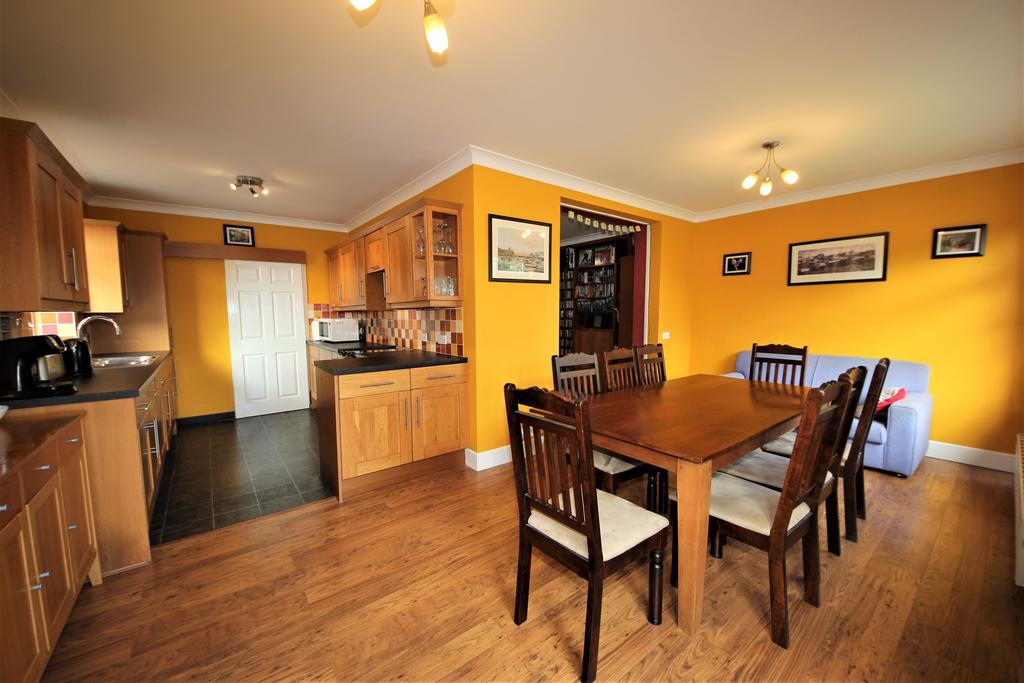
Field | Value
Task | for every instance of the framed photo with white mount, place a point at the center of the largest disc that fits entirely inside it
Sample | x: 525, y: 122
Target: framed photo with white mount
x: 736, y: 264
x: 239, y: 235
x: 858, y: 258
x: 966, y: 240
x: 519, y: 250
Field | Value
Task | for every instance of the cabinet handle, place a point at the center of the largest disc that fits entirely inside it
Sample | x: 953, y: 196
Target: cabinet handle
x: 378, y: 384
x: 74, y: 268
x: 72, y: 527
x: 44, y: 575
x: 144, y: 408
x: 406, y: 414
x: 339, y: 294
x: 385, y: 284
x: 37, y: 586
x: 74, y: 439
x: 43, y: 468
x: 3, y: 507
x: 417, y: 411
x: 440, y: 376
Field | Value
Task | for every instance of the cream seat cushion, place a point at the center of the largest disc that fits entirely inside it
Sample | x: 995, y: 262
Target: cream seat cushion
x: 763, y: 468
x: 606, y: 462
x: 784, y: 446
x: 623, y: 526
x: 747, y: 504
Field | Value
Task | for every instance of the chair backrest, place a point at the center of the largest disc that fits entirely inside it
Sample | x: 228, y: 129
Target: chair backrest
x: 553, y: 460
x: 618, y: 369
x: 867, y: 415
x: 575, y: 375
x: 650, y: 363
x: 857, y: 377
x: 814, y: 448
x: 778, y: 363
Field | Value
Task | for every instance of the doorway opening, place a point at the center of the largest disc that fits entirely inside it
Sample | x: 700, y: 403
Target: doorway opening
x: 603, y: 280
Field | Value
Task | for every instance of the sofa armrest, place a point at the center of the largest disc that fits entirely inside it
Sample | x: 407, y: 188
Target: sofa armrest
x: 908, y: 432
x: 736, y: 375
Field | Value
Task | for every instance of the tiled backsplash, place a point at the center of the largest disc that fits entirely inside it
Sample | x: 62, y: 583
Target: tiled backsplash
x: 406, y: 329
x: 24, y: 324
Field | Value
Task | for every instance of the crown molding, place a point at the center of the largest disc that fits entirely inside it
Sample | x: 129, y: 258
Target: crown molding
x: 980, y: 163
x: 446, y: 169
x: 526, y: 169
x: 205, y: 212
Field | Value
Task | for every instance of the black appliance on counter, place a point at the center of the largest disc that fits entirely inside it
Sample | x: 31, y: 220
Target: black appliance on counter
x: 77, y: 358
x: 33, y: 367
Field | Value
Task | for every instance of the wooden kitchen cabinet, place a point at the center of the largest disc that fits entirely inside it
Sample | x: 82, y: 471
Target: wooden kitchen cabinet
x: 375, y: 432
x: 376, y: 251
x: 43, y: 263
x: 439, y: 423
x: 353, y: 275
x: 104, y: 250
x: 80, y: 532
x: 334, y: 277
x: 24, y: 643
x: 49, y: 544
x: 398, y: 274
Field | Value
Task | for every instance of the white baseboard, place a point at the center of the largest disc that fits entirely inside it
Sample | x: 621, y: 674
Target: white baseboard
x: 488, y: 459
x: 979, y: 457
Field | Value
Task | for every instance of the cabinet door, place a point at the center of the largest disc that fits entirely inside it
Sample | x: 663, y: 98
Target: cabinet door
x: 49, y: 547
x: 376, y: 255
x: 398, y: 275
x: 438, y: 424
x: 81, y: 539
x: 352, y: 274
x: 73, y: 231
x: 24, y: 640
x: 53, y: 252
x: 334, y: 277
x: 375, y: 433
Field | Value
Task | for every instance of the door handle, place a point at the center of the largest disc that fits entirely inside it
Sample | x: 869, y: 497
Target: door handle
x: 417, y: 411
x: 406, y: 414
x: 74, y: 268
x: 73, y: 439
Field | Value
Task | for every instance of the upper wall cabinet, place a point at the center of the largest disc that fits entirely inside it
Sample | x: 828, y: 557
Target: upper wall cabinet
x: 43, y: 263
x: 104, y: 249
x: 346, y: 273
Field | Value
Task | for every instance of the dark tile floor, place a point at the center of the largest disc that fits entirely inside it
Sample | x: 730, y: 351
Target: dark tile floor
x: 228, y: 472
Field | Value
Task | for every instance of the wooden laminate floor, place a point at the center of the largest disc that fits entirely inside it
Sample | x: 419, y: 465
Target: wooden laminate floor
x: 417, y: 584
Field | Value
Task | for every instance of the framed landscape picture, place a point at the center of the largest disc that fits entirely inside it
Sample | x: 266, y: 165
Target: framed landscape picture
x: 520, y: 250
x: 239, y: 235
x: 966, y: 240
x: 736, y: 264
x: 860, y: 258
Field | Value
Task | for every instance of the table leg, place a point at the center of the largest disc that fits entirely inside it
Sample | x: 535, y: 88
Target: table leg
x: 693, y: 486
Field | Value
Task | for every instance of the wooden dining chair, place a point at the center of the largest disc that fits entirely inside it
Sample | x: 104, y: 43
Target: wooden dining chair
x: 562, y: 512
x: 618, y: 369
x: 778, y: 363
x: 576, y: 376
x: 769, y: 469
x: 775, y: 520
x: 650, y: 363
x: 851, y: 469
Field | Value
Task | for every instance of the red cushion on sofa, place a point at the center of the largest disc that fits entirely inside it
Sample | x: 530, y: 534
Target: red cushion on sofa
x: 890, y: 396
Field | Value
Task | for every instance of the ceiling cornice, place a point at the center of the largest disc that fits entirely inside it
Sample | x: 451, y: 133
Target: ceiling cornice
x: 205, y: 212
x: 1014, y: 156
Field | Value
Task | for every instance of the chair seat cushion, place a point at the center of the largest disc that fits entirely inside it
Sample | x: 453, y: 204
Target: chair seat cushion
x: 784, y: 444
x: 606, y: 462
x: 763, y: 468
x: 623, y: 526
x: 748, y: 505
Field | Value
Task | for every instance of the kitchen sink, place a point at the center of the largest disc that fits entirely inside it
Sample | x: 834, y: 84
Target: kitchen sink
x: 121, y: 361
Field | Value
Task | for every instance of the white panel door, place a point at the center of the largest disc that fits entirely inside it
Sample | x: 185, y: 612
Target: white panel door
x: 267, y: 329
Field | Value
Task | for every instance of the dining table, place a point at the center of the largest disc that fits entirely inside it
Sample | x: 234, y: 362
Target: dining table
x: 693, y: 426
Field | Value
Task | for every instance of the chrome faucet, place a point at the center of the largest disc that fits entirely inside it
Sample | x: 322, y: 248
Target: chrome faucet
x: 105, y: 318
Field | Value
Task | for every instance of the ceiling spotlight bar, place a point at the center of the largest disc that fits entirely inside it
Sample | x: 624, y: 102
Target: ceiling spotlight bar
x: 764, y: 174
x: 251, y: 183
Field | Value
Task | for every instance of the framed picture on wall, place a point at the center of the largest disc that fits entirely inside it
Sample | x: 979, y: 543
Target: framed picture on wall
x: 860, y: 258
x: 966, y: 240
x: 736, y: 264
x: 239, y: 235
x: 519, y: 250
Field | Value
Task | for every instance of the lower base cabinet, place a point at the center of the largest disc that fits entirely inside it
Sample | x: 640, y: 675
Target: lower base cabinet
x: 50, y: 544
x: 439, y: 420
x: 375, y: 433
x: 25, y: 646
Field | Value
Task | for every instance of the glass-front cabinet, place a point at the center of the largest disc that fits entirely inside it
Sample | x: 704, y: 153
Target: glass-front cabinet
x: 437, y: 256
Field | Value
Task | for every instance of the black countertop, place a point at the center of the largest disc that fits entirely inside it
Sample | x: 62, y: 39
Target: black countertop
x: 105, y: 384
x: 350, y: 346
x: 390, y: 360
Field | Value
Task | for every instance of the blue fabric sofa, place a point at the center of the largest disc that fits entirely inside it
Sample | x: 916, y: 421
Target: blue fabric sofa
x: 897, y: 446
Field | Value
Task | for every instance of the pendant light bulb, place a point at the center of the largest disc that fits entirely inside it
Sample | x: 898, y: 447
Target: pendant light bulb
x: 433, y: 27
x: 766, y: 187
x: 362, y: 5
x: 750, y: 181
x: 265, y: 191
x: 789, y: 176
x: 233, y: 186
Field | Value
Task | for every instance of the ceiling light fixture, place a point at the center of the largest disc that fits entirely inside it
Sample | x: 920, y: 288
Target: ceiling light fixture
x: 251, y: 183
x: 362, y: 5
x: 764, y: 174
x: 433, y: 24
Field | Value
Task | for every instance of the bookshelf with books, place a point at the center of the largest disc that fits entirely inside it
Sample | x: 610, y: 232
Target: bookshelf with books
x: 591, y: 289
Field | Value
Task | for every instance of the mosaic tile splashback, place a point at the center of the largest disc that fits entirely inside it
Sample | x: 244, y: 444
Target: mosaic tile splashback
x: 407, y: 329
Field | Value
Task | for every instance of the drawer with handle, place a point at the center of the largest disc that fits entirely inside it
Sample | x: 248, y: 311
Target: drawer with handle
x: 10, y: 500
x: 39, y: 468
x: 370, y: 383
x: 70, y: 440
x: 438, y: 375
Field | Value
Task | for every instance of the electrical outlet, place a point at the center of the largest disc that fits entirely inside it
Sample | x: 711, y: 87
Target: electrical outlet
x: 444, y: 337
x: 664, y: 335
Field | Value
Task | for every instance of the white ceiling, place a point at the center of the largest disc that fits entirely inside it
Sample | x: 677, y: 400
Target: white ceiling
x: 667, y: 99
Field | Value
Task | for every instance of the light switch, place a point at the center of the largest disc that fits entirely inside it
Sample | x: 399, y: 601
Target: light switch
x: 664, y: 335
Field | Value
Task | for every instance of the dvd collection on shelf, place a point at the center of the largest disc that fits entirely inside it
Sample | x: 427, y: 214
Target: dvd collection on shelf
x: 586, y: 285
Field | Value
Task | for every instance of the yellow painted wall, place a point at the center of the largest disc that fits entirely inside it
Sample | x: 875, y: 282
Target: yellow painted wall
x: 963, y: 317
x: 197, y: 298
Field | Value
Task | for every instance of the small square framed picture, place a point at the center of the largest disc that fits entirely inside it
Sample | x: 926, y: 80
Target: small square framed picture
x: 736, y: 264
x: 966, y: 240
x: 239, y: 235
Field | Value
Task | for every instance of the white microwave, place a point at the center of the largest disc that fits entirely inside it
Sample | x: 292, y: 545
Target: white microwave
x: 335, y: 329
